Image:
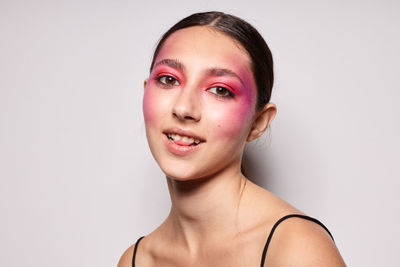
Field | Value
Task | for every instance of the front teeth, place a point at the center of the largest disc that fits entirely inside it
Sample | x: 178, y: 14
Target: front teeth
x: 189, y: 140
x: 175, y: 137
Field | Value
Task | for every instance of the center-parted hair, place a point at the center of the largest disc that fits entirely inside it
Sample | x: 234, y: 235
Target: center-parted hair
x: 242, y: 32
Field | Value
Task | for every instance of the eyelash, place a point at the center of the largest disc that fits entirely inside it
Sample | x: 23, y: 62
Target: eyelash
x: 160, y: 82
x: 229, y: 93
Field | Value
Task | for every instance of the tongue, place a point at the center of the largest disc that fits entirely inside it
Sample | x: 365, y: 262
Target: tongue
x: 181, y: 143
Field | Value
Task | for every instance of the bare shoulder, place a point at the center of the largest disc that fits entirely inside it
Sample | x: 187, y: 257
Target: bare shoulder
x: 296, y: 241
x: 300, y: 242
x: 126, y: 258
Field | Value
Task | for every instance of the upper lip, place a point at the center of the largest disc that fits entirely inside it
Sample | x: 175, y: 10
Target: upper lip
x: 182, y: 132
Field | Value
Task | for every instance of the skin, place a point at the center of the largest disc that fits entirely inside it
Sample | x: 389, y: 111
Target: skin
x: 217, y: 217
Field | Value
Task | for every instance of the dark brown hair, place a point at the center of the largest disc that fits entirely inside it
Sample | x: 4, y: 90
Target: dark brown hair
x: 242, y: 32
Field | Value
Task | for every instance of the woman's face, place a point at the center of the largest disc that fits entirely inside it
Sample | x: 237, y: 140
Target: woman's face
x: 199, y: 104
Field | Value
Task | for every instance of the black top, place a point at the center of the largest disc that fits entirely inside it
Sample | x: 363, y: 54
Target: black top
x: 268, y: 239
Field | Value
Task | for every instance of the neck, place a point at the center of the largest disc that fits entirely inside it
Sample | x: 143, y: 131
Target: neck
x: 203, y: 210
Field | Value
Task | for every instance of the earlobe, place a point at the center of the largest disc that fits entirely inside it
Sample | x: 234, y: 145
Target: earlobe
x: 262, y: 121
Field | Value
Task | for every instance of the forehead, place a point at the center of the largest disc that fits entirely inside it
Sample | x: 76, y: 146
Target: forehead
x: 204, y: 47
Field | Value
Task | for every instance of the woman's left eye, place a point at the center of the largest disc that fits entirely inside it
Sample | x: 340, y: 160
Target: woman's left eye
x: 221, y: 91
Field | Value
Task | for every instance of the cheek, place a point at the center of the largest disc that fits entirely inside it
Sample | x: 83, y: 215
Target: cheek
x: 151, y: 106
x: 232, y: 120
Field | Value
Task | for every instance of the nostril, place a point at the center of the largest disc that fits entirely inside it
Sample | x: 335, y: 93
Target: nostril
x: 189, y: 118
x: 183, y: 116
x: 186, y: 110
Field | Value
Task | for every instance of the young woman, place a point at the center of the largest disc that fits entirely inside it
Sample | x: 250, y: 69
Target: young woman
x: 208, y: 94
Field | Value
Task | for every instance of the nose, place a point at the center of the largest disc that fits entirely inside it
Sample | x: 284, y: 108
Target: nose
x: 187, y: 105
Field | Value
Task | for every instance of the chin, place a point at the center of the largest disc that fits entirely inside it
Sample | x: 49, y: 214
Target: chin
x: 180, y: 174
x: 182, y: 171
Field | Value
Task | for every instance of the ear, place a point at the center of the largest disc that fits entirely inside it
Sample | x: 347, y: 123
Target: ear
x: 262, y: 121
x: 145, y: 83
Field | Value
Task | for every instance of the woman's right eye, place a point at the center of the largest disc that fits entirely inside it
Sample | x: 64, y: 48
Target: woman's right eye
x: 167, y: 80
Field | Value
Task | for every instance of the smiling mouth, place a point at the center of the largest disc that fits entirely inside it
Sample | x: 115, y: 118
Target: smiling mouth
x: 183, y: 140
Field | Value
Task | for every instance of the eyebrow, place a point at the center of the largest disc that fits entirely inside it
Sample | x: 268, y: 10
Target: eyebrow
x: 173, y: 63
x: 176, y: 64
x: 224, y: 72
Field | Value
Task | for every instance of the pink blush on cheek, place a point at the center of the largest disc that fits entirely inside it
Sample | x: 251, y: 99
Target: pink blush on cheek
x: 149, y: 107
x: 234, y: 118
x: 234, y: 121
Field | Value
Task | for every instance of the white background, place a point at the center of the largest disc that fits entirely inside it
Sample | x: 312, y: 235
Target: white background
x: 78, y: 184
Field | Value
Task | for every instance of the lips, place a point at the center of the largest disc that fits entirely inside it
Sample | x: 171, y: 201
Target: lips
x: 183, y: 137
x: 182, y: 142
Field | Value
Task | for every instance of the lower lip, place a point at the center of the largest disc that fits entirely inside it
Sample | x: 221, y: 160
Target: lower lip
x: 179, y: 150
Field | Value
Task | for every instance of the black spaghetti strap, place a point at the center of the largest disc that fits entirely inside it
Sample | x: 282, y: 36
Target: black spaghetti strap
x: 281, y: 220
x: 134, y: 251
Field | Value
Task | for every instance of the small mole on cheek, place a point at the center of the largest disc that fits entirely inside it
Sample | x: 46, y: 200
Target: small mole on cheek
x: 219, y: 125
